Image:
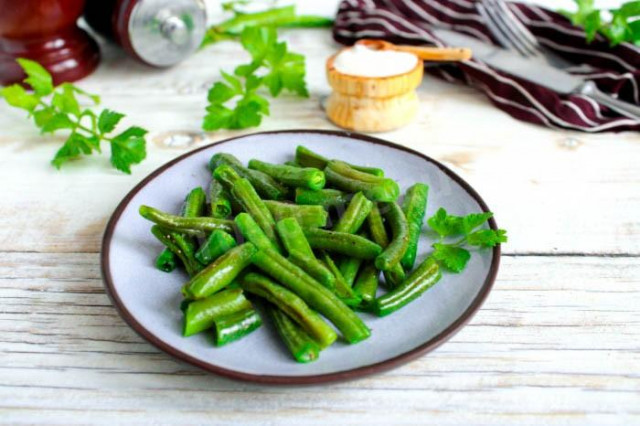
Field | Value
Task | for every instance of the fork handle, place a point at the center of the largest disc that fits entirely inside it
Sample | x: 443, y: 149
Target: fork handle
x: 621, y: 107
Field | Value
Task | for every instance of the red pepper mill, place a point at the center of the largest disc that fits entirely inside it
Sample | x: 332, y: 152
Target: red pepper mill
x: 45, y: 31
x: 159, y: 33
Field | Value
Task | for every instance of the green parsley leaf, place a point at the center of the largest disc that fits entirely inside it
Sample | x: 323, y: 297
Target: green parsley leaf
x: 49, y: 120
x: 66, y: 100
x: 221, y: 93
x: 487, y: 237
x: 473, y: 220
x: 453, y: 258
x: 74, y: 146
x: 37, y: 77
x: 444, y: 224
x: 258, y: 41
x: 16, y: 96
x: 108, y: 120
x: 128, y: 148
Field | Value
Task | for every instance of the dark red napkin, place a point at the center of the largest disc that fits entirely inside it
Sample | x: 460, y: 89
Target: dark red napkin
x: 613, y: 69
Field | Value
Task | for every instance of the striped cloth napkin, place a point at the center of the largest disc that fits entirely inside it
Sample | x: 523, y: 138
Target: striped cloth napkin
x: 613, y: 69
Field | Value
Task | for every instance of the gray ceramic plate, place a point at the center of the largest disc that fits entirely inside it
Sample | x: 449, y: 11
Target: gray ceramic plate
x: 149, y: 299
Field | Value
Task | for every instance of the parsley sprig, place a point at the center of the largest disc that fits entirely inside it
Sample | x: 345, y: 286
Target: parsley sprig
x: 622, y: 26
x: 454, y: 256
x: 59, y: 108
x: 236, y: 103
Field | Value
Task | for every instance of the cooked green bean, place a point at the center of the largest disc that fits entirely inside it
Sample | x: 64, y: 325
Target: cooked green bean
x: 253, y: 233
x: 236, y: 325
x: 342, y: 288
x: 325, y: 197
x: 349, y: 268
x: 194, y: 203
x: 265, y: 185
x: 249, y: 199
x: 177, y: 243
x: 307, y: 216
x: 292, y: 164
x: 220, y: 273
x: 308, y: 158
x: 343, y: 177
x: 219, y: 200
x: 216, y: 244
x: 304, y: 177
x: 367, y: 284
x: 292, y: 305
x: 396, y: 274
x: 193, y: 206
x: 166, y: 260
x: 300, y: 252
x: 313, y: 293
x: 342, y: 243
x: 420, y: 280
x: 186, y: 225
x: 355, y: 214
x: 300, y: 344
x: 414, y: 207
x: 393, y: 253
x: 200, y: 315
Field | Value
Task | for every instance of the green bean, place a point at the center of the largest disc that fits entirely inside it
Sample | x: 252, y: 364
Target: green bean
x: 396, y: 274
x: 349, y: 268
x: 307, y: 216
x: 194, y: 203
x: 393, y: 253
x: 300, y: 344
x: 252, y: 204
x: 304, y: 177
x: 414, y: 207
x: 292, y: 164
x: 343, y: 177
x: 342, y: 288
x: 300, y: 252
x: 313, y: 293
x: 253, y: 233
x: 200, y: 315
x: 177, y: 243
x: 219, y: 200
x: 325, y: 197
x: 367, y: 284
x: 198, y: 226
x: 220, y: 273
x: 308, y: 158
x: 235, y: 326
x: 292, y: 305
x: 264, y: 184
x: 166, y: 260
x: 226, y: 175
x: 193, y: 206
x: 216, y: 244
x: 342, y: 243
x: 425, y: 276
x: 355, y: 214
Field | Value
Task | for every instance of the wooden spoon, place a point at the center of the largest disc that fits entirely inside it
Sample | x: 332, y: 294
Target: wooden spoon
x: 441, y: 54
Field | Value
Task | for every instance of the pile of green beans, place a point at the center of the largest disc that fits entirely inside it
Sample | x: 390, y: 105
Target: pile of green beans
x: 304, y: 241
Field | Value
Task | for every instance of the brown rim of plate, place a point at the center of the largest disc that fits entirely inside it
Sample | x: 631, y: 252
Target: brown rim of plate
x: 298, y: 380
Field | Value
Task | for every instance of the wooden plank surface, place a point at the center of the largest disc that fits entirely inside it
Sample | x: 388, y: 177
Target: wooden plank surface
x: 557, y: 342
x: 545, y: 347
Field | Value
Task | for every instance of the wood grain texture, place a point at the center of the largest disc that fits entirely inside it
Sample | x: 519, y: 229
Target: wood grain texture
x: 557, y: 342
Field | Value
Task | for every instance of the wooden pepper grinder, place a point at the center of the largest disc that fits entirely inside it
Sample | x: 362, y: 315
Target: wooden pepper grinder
x: 47, y: 32
x: 159, y: 33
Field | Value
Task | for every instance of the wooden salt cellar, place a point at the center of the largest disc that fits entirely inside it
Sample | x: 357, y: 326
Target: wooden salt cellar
x: 380, y: 104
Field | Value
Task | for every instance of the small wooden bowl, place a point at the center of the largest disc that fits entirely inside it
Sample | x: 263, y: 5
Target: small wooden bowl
x: 372, y: 104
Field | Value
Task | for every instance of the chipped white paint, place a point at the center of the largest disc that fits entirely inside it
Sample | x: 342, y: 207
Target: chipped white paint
x: 557, y: 342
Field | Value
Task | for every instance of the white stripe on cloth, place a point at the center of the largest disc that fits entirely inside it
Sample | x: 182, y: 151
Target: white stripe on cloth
x: 585, y: 52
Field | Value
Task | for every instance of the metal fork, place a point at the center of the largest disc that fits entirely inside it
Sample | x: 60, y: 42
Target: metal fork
x: 512, y: 34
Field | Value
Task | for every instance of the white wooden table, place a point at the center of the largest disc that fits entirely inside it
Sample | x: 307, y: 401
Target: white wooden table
x: 557, y: 342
